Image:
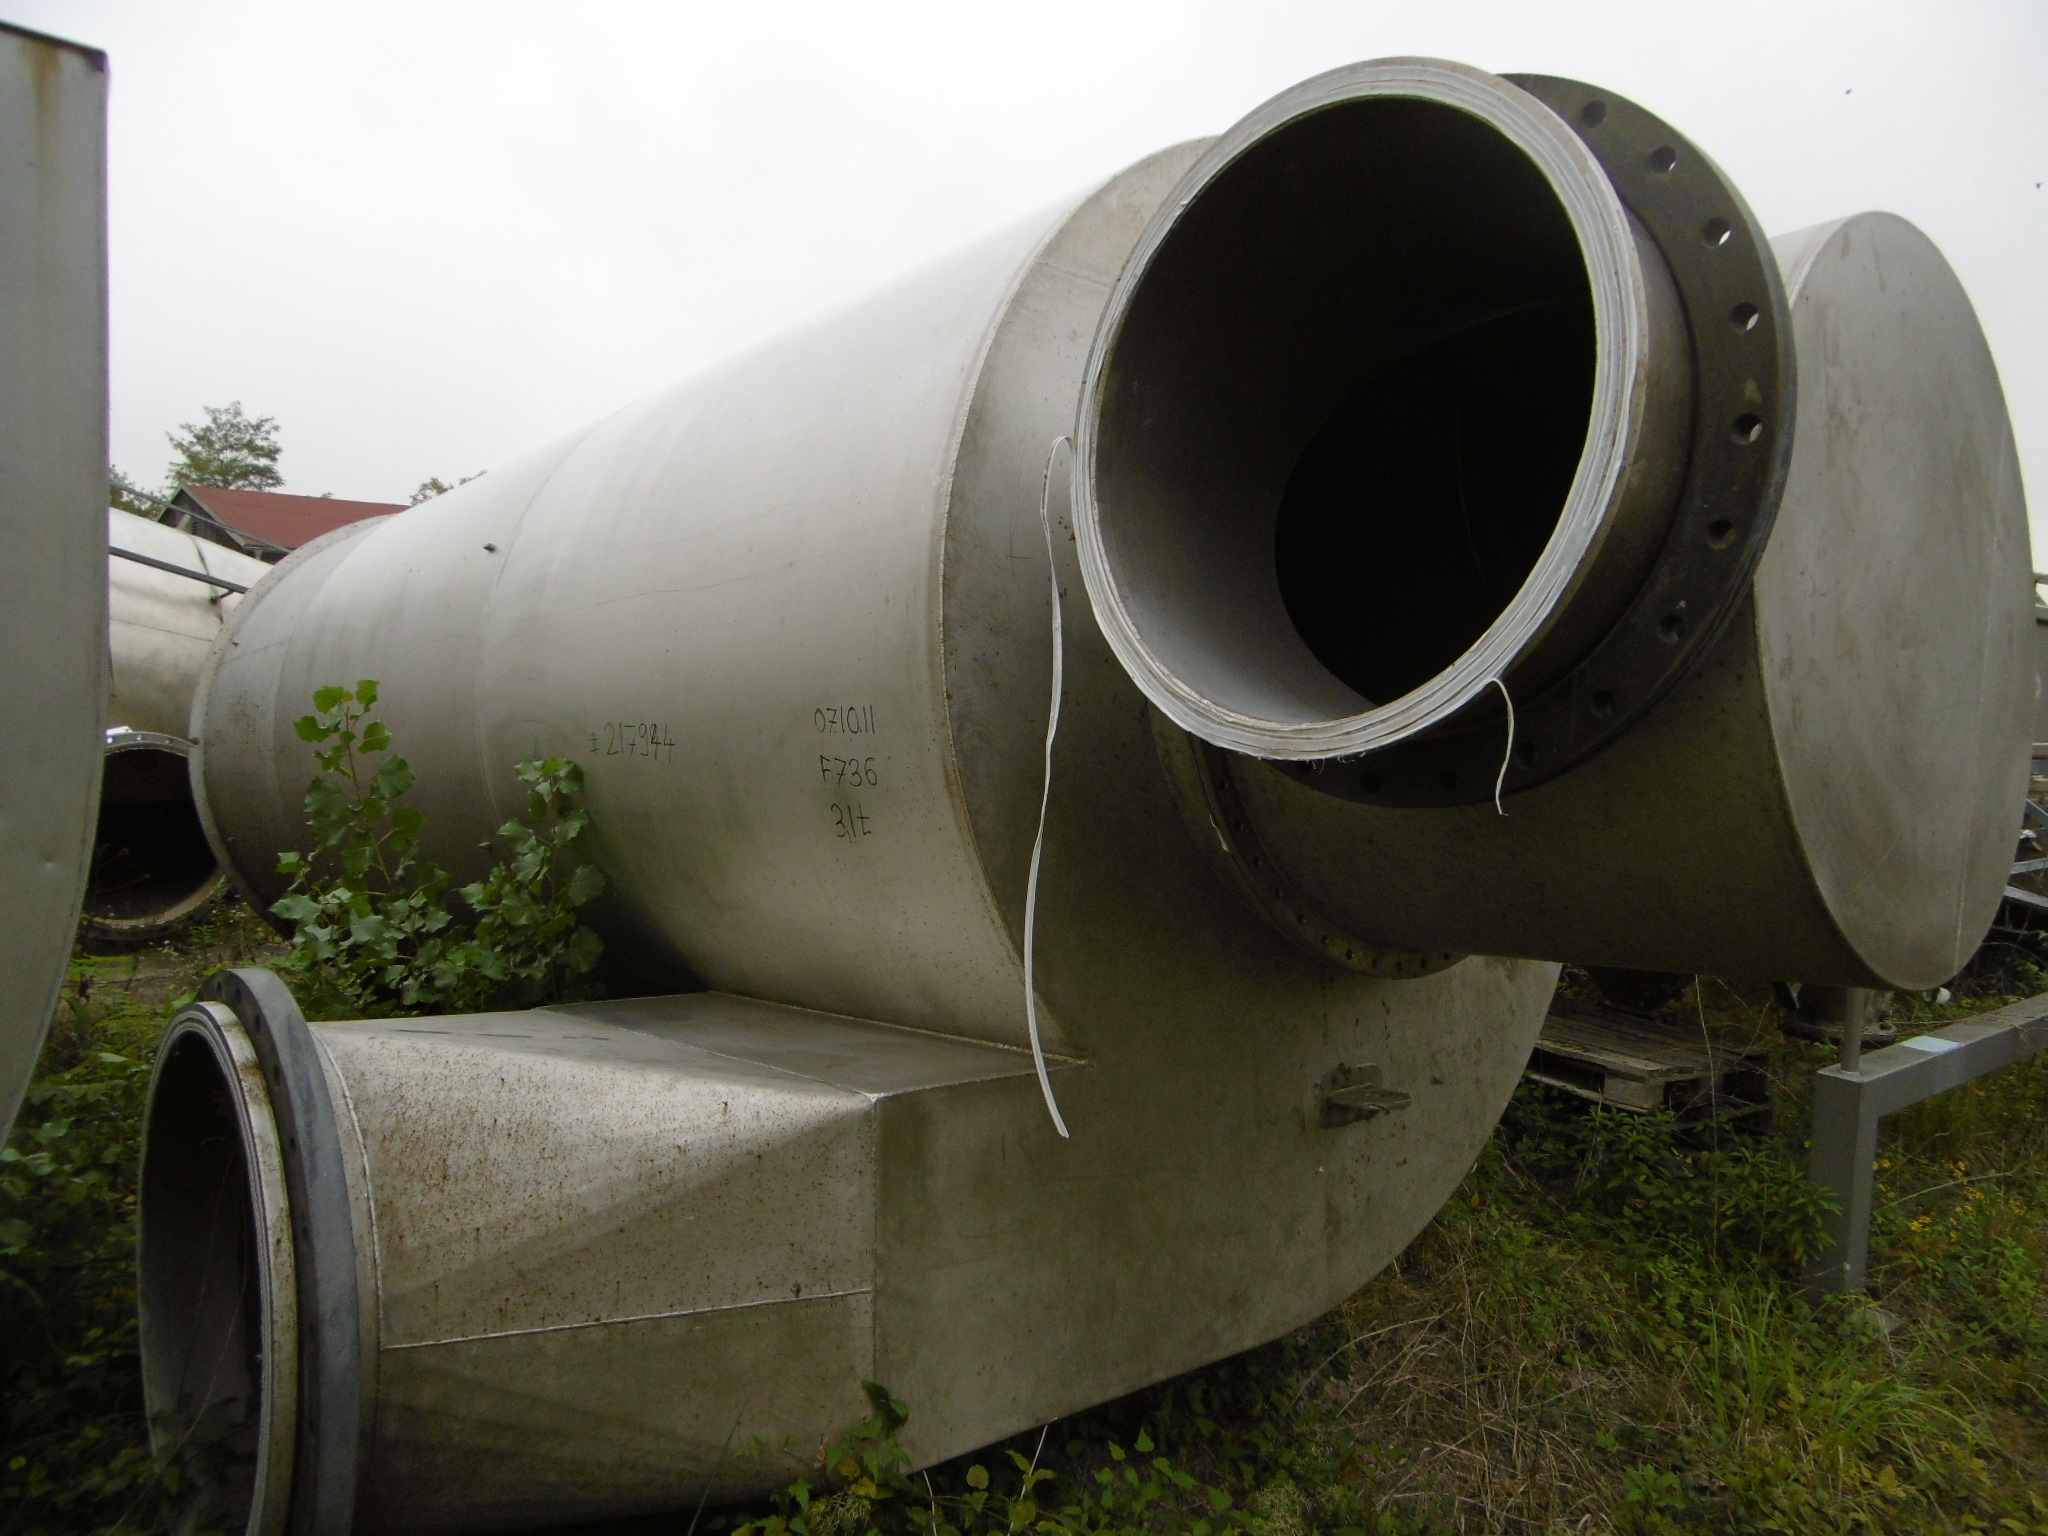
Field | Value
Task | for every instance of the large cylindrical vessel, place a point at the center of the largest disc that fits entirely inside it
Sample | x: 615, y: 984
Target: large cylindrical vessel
x: 793, y: 618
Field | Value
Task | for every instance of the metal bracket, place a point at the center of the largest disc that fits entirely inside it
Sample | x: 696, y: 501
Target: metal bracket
x: 1850, y: 1099
x: 207, y: 577
x: 1347, y: 1095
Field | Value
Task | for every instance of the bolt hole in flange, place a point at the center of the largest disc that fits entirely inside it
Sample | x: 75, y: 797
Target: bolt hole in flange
x: 1396, y: 400
x: 1746, y: 428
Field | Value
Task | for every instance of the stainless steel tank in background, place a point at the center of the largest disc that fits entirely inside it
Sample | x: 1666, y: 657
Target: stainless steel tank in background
x: 53, y: 490
x: 1417, y: 386
x: 167, y: 593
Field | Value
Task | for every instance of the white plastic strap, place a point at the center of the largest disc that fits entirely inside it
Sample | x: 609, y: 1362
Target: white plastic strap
x: 1052, y: 728
x: 1506, y: 756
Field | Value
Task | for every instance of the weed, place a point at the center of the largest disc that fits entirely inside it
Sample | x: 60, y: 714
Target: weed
x: 73, y: 1454
x: 373, y: 933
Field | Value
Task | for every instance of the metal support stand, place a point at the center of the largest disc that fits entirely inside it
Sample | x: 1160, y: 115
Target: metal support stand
x: 1849, y: 1100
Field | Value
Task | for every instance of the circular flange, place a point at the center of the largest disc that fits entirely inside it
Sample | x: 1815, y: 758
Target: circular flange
x: 1172, y: 564
x: 1734, y: 302
x: 331, y: 1329
x: 120, y: 738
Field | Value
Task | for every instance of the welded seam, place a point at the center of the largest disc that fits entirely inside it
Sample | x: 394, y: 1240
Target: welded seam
x: 480, y: 720
x: 646, y: 1317
x: 992, y: 1074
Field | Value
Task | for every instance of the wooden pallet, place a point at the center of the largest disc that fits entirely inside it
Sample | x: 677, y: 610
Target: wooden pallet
x: 1641, y: 1063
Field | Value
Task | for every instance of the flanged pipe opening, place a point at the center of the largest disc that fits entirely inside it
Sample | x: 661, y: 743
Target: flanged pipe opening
x: 215, y: 1278
x: 1367, y: 420
x: 152, y: 868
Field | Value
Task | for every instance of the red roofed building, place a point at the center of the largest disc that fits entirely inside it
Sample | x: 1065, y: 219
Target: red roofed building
x: 266, y: 524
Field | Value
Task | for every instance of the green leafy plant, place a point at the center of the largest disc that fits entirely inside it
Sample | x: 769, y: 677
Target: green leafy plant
x: 73, y: 1452
x: 865, y: 1487
x: 373, y: 930
x: 1735, y: 1201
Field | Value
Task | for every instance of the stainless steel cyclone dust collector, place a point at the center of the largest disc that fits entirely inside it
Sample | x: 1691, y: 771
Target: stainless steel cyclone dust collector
x: 1418, y: 391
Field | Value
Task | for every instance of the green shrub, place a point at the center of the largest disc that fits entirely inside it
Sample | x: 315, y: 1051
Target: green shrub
x: 1642, y: 1178
x: 73, y: 1453
x: 373, y: 933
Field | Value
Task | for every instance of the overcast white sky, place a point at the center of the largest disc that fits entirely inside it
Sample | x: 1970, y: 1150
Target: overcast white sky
x: 428, y: 234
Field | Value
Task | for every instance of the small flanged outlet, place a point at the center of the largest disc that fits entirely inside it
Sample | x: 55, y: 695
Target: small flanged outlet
x: 1347, y: 1095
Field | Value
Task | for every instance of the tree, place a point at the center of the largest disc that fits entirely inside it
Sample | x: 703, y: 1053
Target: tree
x: 230, y: 449
x: 436, y: 486
x: 130, y: 497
